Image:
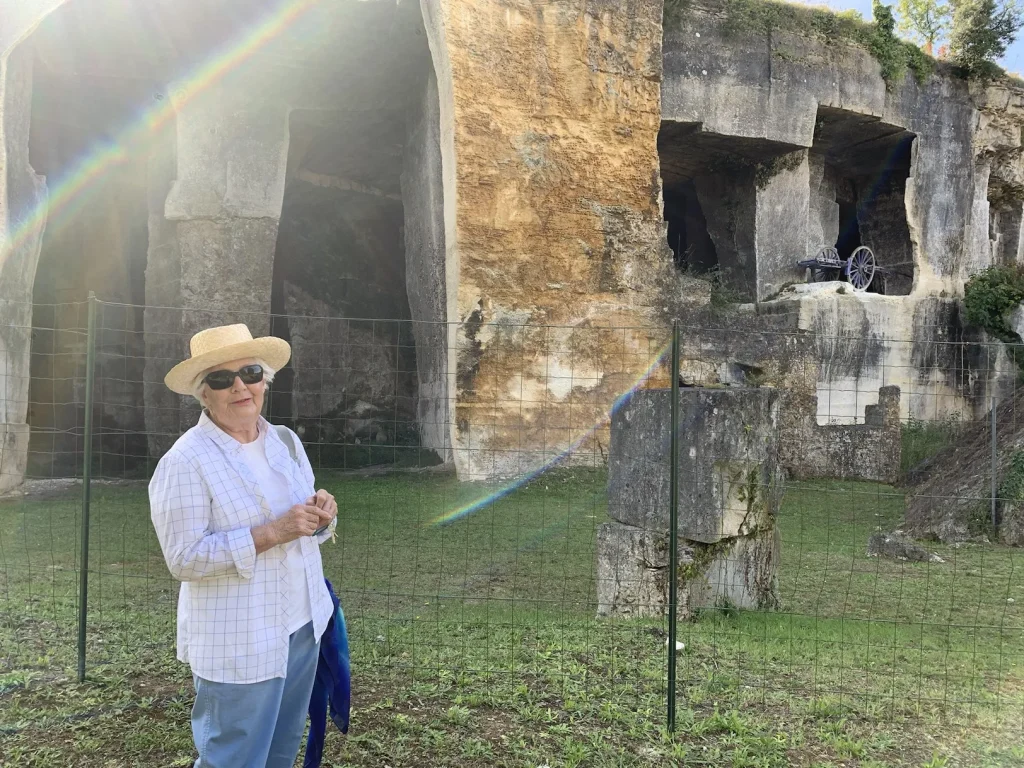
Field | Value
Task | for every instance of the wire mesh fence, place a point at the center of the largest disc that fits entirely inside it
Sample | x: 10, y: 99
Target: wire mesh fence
x: 505, y: 514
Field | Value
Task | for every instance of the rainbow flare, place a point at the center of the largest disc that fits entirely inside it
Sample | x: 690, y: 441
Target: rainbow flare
x: 490, y: 498
x: 105, y: 155
x: 68, y: 191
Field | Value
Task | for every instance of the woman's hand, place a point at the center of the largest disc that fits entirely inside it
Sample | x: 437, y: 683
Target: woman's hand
x: 325, y: 505
x: 301, y: 520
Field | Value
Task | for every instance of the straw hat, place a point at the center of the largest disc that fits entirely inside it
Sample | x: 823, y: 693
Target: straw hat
x: 219, y: 345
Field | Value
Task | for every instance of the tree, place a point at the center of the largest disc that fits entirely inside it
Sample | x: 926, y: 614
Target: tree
x: 925, y: 20
x: 981, y: 33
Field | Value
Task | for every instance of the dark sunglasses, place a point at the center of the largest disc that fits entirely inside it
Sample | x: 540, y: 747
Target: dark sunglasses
x: 249, y: 374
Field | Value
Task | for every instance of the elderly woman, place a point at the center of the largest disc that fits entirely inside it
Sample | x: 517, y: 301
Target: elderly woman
x: 240, y: 525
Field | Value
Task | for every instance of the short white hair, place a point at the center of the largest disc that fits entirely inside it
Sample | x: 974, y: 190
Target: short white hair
x: 200, y: 384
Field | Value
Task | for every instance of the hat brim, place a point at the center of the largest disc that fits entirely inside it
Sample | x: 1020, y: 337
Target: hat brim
x: 273, y: 351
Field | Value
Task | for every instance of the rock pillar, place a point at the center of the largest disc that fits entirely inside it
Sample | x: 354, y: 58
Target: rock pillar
x: 214, y: 245
x: 783, y: 197
x: 425, y: 268
x: 22, y: 216
x: 730, y: 486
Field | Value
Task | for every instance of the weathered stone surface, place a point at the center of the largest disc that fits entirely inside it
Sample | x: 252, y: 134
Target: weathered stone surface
x: 729, y: 492
x: 20, y: 17
x: 213, y: 256
x: 348, y: 384
x: 556, y: 199
x: 896, y: 546
x: 101, y: 249
x: 232, y: 154
x: 165, y: 344
x: 633, y: 576
x: 743, y: 573
x: 884, y: 230
x: 730, y: 207
x: 425, y: 273
x: 14, y: 439
x: 771, y: 87
x: 781, y: 200
x: 632, y: 572
x: 866, y: 451
x: 729, y: 481
x: 1000, y: 172
x: 823, y: 211
x: 22, y: 218
x: 547, y: 179
x: 865, y: 341
x: 1011, y: 523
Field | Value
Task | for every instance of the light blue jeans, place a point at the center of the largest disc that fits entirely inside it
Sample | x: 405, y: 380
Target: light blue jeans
x: 256, y: 725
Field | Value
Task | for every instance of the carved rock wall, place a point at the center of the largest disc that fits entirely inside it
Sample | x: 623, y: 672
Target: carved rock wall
x: 425, y: 268
x: 867, y: 451
x: 556, y: 111
x: 548, y: 174
x: 771, y: 87
x: 213, y: 239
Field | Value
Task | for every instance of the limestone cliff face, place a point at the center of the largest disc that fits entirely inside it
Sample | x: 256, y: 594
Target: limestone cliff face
x: 780, y: 88
x: 556, y: 111
x: 21, y: 194
x: 20, y: 17
x: 532, y: 176
x: 955, y: 209
x: 997, y: 150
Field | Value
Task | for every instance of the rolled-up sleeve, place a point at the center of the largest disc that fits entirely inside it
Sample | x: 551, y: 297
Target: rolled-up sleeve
x: 181, y: 512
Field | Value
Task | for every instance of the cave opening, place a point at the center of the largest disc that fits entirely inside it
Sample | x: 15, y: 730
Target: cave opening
x: 860, y: 168
x: 85, y: 92
x: 1005, y: 211
x: 848, y: 240
x: 693, y: 249
x: 710, y: 188
x: 358, y: 282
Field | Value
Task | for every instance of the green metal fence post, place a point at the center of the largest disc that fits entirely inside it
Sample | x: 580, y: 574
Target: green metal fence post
x: 673, y: 530
x: 83, y: 581
x: 995, y: 473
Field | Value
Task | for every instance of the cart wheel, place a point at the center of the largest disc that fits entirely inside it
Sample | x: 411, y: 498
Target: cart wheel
x: 828, y: 256
x: 824, y: 274
x: 860, y: 269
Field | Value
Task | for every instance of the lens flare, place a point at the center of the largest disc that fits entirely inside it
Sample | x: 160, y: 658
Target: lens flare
x: 487, y: 500
x: 67, y: 192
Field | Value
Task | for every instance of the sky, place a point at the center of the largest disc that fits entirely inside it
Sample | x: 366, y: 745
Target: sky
x: 1012, y: 62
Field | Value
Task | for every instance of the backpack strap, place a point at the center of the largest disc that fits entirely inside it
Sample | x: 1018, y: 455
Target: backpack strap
x: 286, y: 436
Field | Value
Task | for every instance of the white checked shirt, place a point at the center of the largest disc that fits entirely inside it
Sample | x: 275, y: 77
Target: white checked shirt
x: 204, y: 499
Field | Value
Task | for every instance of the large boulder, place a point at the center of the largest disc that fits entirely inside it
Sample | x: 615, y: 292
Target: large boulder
x: 730, y: 486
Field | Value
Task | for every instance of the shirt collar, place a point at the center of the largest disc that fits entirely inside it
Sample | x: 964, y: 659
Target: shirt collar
x: 222, y: 438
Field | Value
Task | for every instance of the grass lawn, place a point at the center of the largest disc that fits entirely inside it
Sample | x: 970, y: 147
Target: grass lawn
x: 476, y: 643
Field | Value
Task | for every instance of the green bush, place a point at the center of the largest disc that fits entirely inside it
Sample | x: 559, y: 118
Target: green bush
x: 887, y: 49
x: 989, y: 298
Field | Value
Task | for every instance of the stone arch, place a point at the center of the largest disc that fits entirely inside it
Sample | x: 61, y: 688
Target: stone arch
x: 86, y: 138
